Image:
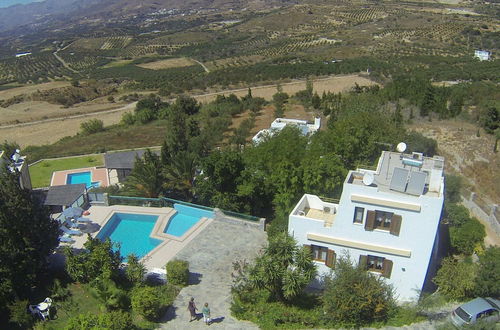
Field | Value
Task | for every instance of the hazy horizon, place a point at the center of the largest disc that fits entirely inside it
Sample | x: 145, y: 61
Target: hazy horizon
x: 8, y: 3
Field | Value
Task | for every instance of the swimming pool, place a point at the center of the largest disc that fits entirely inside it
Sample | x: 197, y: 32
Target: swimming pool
x: 185, y: 218
x: 81, y: 177
x: 132, y: 231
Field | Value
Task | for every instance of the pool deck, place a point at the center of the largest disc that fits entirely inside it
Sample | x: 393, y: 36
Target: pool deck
x: 166, y: 250
x: 98, y: 174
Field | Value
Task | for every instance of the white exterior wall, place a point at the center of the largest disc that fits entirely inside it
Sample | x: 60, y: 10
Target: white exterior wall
x: 417, y: 233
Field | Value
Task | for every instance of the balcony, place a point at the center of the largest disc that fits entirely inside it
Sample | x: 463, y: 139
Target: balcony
x: 313, y: 207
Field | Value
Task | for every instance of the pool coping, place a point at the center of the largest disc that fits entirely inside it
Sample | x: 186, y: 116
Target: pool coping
x: 169, y: 246
x: 98, y: 174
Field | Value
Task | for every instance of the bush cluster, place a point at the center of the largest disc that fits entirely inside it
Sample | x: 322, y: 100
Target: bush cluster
x: 178, y: 272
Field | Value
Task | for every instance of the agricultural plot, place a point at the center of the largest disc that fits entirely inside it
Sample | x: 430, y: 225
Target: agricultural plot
x: 167, y: 64
x: 114, y: 42
x: 442, y: 32
x: 360, y: 15
x: 35, y: 67
x: 82, y: 61
x: 233, y: 62
x: 295, y: 45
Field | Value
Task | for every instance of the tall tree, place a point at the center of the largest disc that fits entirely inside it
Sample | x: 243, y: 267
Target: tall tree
x: 27, y: 237
x: 179, y: 174
x: 146, y: 178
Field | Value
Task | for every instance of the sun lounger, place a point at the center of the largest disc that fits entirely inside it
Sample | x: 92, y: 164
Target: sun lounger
x: 70, y: 231
x: 66, y: 239
x: 82, y: 219
x: 71, y: 224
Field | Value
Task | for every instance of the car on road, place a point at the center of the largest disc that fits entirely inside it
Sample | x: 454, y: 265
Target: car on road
x: 478, y: 310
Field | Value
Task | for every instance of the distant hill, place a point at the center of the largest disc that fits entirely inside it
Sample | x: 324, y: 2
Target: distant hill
x: 8, y: 3
x: 61, y: 11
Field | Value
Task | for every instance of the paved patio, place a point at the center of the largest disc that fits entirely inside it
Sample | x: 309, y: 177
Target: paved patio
x: 97, y: 175
x: 211, y: 255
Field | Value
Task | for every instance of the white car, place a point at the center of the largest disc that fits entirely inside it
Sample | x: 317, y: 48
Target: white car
x: 477, y: 310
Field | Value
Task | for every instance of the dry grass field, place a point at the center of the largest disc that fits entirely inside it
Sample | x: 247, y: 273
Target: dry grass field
x: 28, y: 89
x: 168, y: 63
x: 52, y: 131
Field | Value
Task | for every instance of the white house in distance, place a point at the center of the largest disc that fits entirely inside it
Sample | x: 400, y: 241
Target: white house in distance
x: 482, y: 55
x: 387, y: 220
x: 279, y: 123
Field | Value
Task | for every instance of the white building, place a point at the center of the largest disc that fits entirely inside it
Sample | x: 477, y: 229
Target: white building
x: 482, y: 55
x: 279, y: 123
x: 23, y: 54
x: 17, y: 162
x: 386, y: 219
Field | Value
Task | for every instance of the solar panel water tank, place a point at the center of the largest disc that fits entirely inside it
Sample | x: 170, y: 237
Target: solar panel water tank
x: 416, y: 183
x: 399, y: 179
x: 412, y: 162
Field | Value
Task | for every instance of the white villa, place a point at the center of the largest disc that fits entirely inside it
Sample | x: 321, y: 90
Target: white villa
x: 482, y: 55
x: 387, y: 220
x: 279, y: 123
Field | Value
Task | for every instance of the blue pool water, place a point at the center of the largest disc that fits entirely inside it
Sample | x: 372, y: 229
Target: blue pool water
x: 185, y: 218
x: 82, y: 177
x: 132, y: 232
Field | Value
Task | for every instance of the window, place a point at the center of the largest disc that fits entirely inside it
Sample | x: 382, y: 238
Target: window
x: 322, y: 254
x: 383, y: 220
x: 358, y: 214
x: 376, y: 264
x: 319, y: 252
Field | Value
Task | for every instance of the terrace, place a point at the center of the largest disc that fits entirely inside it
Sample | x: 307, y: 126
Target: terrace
x: 316, y: 209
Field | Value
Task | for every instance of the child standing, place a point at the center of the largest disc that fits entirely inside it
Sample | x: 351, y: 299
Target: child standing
x: 206, y: 314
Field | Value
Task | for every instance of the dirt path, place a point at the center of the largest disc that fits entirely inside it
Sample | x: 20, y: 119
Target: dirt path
x: 63, y: 62
x: 202, y: 65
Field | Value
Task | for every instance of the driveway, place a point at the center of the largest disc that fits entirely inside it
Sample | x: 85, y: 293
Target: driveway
x: 211, y: 255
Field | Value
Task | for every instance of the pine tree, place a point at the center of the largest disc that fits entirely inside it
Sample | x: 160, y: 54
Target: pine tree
x: 27, y: 237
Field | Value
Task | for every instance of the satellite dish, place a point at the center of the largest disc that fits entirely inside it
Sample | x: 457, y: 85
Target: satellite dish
x: 368, y: 179
x: 401, y: 147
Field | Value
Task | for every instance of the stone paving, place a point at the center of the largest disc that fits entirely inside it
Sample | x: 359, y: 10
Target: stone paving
x: 211, y: 255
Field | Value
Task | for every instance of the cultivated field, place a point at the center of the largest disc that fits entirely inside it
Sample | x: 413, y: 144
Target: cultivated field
x: 28, y: 89
x: 168, y: 63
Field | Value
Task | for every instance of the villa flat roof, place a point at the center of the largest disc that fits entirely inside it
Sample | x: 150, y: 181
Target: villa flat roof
x: 123, y: 159
x: 411, y: 174
x: 64, y: 195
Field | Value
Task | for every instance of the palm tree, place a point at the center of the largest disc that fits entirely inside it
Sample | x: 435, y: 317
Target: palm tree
x: 179, y: 173
x: 146, y: 178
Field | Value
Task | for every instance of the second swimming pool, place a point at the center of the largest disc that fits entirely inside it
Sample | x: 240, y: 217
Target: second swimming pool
x: 185, y: 218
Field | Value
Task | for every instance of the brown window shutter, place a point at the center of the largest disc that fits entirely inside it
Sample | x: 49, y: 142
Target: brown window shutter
x: 363, y: 262
x: 395, y: 225
x: 370, y: 220
x: 330, y: 259
x: 387, y: 268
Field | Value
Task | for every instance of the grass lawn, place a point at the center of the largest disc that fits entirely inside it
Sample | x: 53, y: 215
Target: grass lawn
x: 80, y: 301
x: 41, y: 173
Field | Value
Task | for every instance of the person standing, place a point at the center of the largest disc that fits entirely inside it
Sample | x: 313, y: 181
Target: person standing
x: 192, y: 309
x: 206, y: 314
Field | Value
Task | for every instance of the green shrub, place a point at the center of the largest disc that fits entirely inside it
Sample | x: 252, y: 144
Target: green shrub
x: 488, y: 277
x: 456, y: 214
x: 135, y: 269
x: 456, y: 279
x: 354, y: 297
x: 467, y: 238
x: 128, y: 119
x: 115, y: 320
x: 92, y: 126
x: 146, y: 302
x: 178, y: 272
x: 453, y: 187
x: 19, y: 314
